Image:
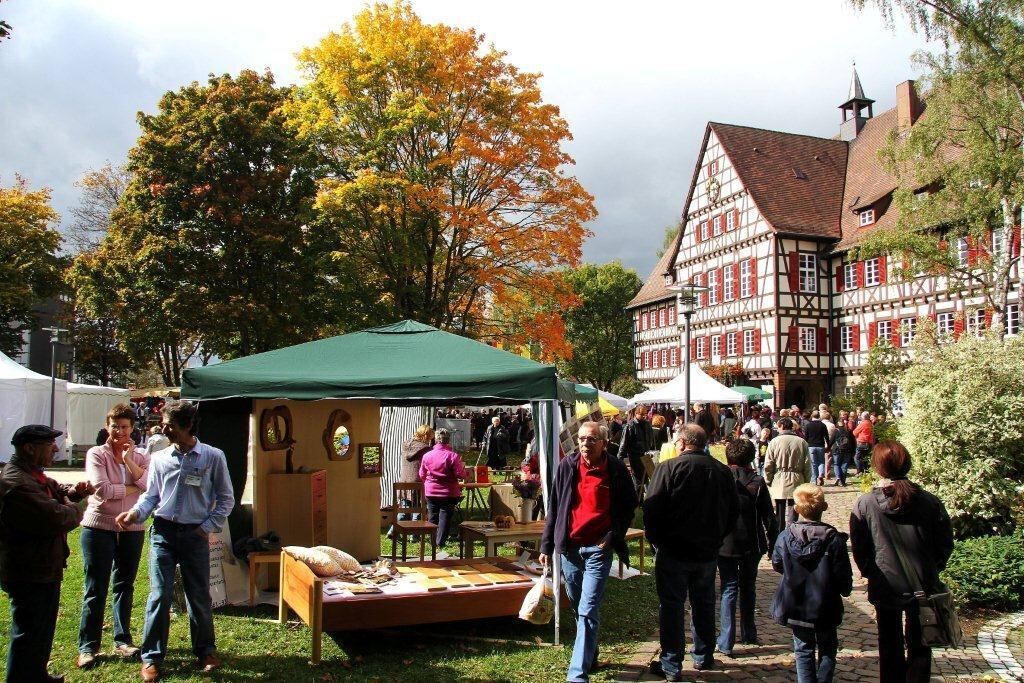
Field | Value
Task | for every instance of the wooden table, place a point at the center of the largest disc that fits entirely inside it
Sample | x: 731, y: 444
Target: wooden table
x: 491, y: 537
x: 256, y: 559
x: 474, y: 497
x: 630, y: 535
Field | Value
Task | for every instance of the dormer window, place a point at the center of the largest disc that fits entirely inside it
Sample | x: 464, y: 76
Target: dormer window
x: 867, y: 217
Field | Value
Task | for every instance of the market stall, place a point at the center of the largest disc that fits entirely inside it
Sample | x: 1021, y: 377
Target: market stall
x: 703, y: 389
x: 25, y: 399
x: 88, y: 406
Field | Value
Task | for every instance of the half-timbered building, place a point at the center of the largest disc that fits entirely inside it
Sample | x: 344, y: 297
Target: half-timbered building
x: 768, y: 225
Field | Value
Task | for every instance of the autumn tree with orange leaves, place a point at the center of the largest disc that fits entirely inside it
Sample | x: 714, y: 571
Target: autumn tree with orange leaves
x: 443, y: 173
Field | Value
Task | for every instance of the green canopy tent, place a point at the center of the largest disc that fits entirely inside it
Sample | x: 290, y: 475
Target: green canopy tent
x: 753, y: 393
x: 406, y: 363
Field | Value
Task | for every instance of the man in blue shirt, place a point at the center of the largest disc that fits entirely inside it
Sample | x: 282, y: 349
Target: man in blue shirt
x: 189, y: 494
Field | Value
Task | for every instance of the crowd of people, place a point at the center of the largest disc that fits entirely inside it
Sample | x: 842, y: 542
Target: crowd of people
x: 708, y: 520
x: 496, y: 433
x: 185, y: 487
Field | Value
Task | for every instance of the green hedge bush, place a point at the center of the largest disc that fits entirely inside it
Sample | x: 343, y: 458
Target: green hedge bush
x: 988, y: 571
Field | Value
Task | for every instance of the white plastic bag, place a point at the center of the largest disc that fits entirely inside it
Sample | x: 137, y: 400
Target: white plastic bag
x: 539, y: 604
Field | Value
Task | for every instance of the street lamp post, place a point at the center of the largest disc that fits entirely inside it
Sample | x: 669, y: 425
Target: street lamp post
x: 54, y: 340
x: 686, y: 299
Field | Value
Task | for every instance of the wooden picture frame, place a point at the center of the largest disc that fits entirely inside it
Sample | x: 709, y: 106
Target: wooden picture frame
x: 272, y: 422
x: 371, y: 457
x: 339, y: 418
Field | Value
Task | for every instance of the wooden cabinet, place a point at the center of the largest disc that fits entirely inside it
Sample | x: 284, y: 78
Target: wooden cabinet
x: 297, y: 507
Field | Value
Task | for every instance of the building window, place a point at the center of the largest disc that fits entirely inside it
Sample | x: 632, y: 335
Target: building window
x: 976, y: 323
x: 728, y: 283
x: 963, y: 250
x: 748, y: 341
x: 661, y: 317
x: 664, y: 358
x: 702, y: 348
x: 704, y: 231
x: 998, y: 244
x: 672, y: 314
x: 808, y: 339
x: 730, y: 220
x: 1013, y: 319
x: 716, y: 346
x: 846, y: 338
x: 713, y: 168
x: 867, y: 217
x: 944, y: 324
x: 884, y: 328
x: 872, y: 274
x: 647, y: 360
x: 674, y: 356
x: 907, y: 328
x: 716, y: 225
x: 713, y: 285
x: 730, y: 344
x: 808, y: 273
x: 746, y: 279
x: 643, y: 320
x: 850, y: 276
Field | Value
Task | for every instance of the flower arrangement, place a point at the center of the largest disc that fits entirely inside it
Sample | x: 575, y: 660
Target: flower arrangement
x: 527, y: 489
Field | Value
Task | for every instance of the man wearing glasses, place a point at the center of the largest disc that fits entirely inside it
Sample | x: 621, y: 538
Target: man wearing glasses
x: 591, y: 507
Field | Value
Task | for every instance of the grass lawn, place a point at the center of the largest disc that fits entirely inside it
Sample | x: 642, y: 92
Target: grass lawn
x: 255, y: 647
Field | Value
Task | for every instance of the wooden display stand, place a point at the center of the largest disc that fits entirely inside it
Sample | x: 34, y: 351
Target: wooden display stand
x: 297, y: 508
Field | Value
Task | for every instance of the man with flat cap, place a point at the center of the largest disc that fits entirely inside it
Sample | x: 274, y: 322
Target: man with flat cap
x: 36, y: 514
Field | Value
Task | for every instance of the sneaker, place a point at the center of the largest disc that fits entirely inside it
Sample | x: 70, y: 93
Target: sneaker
x: 704, y: 666
x: 126, y: 651
x: 727, y: 653
x: 86, y: 660
x: 656, y: 670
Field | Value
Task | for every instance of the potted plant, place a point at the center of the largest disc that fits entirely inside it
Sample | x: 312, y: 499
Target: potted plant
x: 528, y: 490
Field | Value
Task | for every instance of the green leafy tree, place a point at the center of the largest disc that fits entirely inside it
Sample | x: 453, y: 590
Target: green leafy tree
x: 881, y: 374
x: 668, y: 239
x: 961, y: 167
x: 443, y: 173
x: 30, y: 269
x: 627, y: 386
x: 963, y: 427
x: 598, y: 330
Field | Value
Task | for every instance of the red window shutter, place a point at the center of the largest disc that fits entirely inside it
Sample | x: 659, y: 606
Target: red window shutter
x: 794, y: 342
x: 757, y: 341
x: 860, y: 273
x: 704, y: 294
x: 840, y: 280
x: 722, y: 344
x: 958, y: 324
x: 721, y: 285
x: 735, y: 219
x: 753, y: 275
x: 1015, y: 243
x: 735, y: 281
x: 794, y: 272
x: 972, y: 251
x: 988, y: 318
x: 872, y: 334
x: 822, y: 340
x: 855, y: 331
x: 693, y: 349
x: 697, y: 232
x: 837, y: 338
x: 882, y: 277
x: 896, y: 337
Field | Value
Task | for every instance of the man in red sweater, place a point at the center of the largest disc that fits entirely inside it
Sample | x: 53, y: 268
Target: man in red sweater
x: 591, y: 507
x: 864, y: 432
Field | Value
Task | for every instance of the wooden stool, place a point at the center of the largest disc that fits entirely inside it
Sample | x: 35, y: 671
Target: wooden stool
x: 256, y: 559
x: 630, y: 535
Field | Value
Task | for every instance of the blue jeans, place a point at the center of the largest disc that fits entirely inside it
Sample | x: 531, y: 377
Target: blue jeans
x: 440, y: 512
x: 840, y: 464
x: 817, y: 461
x: 101, y: 551
x: 862, y: 457
x: 185, y: 546
x: 33, y: 622
x: 675, y: 579
x: 815, y: 653
x: 738, y: 576
x: 585, y: 570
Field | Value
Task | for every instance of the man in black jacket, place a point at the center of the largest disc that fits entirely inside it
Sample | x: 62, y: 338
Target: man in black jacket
x: 637, y: 439
x: 818, y: 441
x: 591, y: 507
x: 691, y: 505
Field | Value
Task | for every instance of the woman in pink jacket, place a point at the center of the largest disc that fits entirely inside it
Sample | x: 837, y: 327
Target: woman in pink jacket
x: 118, y: 470
x: 440, y: 471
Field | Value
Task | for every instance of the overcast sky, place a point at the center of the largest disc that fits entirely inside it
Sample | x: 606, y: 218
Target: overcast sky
x: 636, y: 81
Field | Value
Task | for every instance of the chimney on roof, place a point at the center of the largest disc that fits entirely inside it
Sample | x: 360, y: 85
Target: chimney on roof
x: 854, y: 109
x: 908, y: 105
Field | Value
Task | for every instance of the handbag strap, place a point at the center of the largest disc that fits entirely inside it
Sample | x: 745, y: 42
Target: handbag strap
x: 895, y: 538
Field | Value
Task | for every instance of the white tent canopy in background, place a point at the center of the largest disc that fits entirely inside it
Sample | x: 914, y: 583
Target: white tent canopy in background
x: 88, y: 406
x: 703, y: 389
x: 614, y: 399
x: 25, y: 399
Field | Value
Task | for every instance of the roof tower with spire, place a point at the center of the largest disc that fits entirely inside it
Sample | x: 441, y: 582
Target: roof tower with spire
x: 854, y: 109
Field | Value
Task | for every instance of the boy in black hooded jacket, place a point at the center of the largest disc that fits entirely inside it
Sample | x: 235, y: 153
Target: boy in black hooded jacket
x: 816, y: 572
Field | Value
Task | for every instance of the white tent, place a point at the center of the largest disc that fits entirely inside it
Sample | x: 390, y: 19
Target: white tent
x: 616, y: 400
x: 25, y: 399
x: 87, y: 410
x: 703, y: 389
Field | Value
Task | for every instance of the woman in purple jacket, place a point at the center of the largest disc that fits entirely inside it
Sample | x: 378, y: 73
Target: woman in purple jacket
x: 440, y: 470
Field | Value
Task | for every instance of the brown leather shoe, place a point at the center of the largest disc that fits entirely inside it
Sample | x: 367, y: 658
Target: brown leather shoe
x: 150, y: 672
x: 209, y: 663
x: 86, y: 660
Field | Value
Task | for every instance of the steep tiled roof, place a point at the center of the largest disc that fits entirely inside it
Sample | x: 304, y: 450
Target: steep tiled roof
x: 795, y: 180
x: 654, y: 287
x: 866, y: 180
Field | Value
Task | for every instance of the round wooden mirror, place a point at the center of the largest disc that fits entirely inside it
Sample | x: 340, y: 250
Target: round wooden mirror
x: 337, y: 438
x: 276, y: 429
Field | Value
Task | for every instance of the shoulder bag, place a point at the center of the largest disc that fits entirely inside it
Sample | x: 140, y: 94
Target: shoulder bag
x: 940, y: 626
